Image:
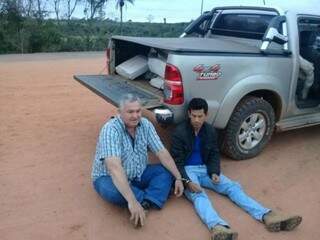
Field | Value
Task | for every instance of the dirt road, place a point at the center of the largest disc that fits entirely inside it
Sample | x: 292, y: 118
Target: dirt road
x: 49, y: 126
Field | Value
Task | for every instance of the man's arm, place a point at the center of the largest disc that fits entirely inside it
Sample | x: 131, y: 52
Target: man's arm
x: 156, y: 146
x: 167, y: 161
x: 119, y: 179
x: 178, y: 153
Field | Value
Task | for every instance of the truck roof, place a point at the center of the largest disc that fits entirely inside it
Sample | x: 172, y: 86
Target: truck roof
x: 281, y: 10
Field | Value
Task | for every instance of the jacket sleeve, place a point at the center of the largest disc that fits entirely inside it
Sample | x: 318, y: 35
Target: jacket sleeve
x: 178, y: 152
x: 214, y: 155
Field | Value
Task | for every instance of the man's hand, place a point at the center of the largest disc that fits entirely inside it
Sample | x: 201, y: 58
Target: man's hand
x: 215, y: 178
x: 178, y: 187
x: 138, y: 215
x: 193, y: 187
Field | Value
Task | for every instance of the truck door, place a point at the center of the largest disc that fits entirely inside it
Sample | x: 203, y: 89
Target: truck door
x: 308, y: 87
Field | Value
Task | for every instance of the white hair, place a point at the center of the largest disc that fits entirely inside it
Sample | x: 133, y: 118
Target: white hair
x: 128, y: 98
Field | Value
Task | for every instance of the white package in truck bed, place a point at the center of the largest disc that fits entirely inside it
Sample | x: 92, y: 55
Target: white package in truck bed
x: 157, y: 82
x: 133, y: 67
x: 157, y: 66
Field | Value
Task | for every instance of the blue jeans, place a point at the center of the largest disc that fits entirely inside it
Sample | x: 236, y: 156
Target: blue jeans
x: 198, y: 174
x: 154, y: 186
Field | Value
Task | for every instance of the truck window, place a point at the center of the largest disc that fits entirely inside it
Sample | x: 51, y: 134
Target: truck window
x: 251, y: 26
x: 199, y: 26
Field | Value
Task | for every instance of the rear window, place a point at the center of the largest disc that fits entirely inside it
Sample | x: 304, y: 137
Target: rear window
x: 242, y: 25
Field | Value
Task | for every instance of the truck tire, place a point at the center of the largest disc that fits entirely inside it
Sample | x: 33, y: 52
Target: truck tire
x: 249, y: 129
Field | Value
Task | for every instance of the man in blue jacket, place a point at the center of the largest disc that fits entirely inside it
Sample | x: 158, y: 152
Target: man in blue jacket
x: 195, y: 151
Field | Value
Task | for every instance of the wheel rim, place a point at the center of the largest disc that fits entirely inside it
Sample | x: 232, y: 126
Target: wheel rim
x: 252, y: 131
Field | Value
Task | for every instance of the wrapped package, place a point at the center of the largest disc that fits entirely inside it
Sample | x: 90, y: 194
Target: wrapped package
x: 157, y: 82
x: 133, y: 67
x: 157, y: 66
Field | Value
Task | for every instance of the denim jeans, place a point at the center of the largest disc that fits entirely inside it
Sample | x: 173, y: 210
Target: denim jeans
x: 154, y: 185
x: 198, y: 174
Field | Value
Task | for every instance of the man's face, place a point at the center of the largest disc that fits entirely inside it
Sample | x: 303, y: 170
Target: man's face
x: 131, y: 114
x: 197, y: 118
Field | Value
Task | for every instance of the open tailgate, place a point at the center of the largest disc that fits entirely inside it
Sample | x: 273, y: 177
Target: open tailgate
x: 112, y: 87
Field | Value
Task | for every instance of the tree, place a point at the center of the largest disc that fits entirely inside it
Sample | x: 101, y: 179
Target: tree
x: 28, y: 5
x: 57, y: 8
x: 150, y: 18
x: 40, y: 12
x: 94, y: 6
x: 121, y: 3
x: 71, y: 6
x: 11, y: 25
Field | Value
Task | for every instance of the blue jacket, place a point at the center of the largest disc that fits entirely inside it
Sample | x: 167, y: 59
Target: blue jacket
x: 183, y: 142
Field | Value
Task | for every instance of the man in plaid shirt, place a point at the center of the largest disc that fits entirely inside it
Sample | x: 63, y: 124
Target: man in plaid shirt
x: 121, y: 173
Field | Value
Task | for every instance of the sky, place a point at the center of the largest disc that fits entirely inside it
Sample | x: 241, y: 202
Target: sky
x: 186, y: 10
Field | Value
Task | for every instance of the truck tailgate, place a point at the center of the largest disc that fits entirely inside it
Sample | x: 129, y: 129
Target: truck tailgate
x: 112, y: 87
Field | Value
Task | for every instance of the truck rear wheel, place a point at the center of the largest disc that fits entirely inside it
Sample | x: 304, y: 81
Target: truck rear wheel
x: 249, y: 129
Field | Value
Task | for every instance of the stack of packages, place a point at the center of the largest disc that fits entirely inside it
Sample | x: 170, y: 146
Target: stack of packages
x: 157, y: 65
x: 138, y: 65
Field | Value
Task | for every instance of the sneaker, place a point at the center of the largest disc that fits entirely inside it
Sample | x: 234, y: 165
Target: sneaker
x: 275, y: 222
x: 220, y: 232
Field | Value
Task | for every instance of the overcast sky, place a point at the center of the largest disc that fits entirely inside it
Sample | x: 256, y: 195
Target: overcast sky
x: 185, y: 10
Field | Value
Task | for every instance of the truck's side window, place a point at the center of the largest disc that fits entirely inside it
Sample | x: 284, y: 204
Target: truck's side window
x: 200, y: 27
x: 251, y: 26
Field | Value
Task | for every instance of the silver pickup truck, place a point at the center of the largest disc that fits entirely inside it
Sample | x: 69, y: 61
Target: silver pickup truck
x: 243, y: 60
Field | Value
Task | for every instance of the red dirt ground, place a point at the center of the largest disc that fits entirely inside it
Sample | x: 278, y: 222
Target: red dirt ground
x: 49, y: 126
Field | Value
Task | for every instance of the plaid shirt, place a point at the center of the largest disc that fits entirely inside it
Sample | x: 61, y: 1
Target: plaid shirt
x: 115, y: 141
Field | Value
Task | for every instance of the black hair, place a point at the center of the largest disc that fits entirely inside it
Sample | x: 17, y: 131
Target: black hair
x: 198, y: 104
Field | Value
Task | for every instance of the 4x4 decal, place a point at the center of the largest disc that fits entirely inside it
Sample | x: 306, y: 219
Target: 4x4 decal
x: 208, y: 72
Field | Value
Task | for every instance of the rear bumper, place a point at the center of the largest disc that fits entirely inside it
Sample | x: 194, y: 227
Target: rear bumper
x: 164, y: 115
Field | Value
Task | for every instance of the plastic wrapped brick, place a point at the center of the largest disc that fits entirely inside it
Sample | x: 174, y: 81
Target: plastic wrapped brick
x: 157, y: 66
x: 157, y: 82
x: 133, y: 67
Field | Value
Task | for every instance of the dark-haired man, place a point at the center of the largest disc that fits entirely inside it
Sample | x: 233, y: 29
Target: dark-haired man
x: 195, y: 150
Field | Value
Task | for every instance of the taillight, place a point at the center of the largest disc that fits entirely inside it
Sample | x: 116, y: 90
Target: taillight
x: 173, y: 88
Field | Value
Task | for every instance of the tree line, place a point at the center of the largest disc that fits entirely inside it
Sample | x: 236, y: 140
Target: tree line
x: 27, y: 26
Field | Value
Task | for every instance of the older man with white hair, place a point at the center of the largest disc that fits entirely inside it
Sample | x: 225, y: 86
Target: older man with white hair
x: 121, y: 173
